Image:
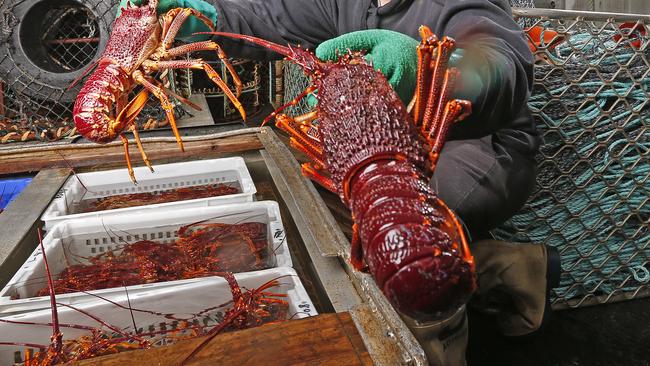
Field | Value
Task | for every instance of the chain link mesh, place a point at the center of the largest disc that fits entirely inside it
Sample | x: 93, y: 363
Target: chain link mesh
x: 72, y: 38
x: 591, y: 200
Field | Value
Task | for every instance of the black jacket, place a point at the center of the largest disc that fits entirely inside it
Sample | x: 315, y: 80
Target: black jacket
x: 494, y: 45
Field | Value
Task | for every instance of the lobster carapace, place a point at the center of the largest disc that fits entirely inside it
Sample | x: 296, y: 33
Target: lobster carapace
x: 139, y: 46
x: 377, y: 156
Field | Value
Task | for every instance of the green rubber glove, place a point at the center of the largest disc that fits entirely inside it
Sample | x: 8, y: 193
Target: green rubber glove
x: 191, y: 25
x: 395, y: 55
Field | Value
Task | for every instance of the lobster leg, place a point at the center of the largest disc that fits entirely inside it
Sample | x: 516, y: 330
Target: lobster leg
x: 438, y: 73
x: 318, y: 159
x: 127, y: 115
x: 139, y: 77
x: 125, y: 142
x: 295, y: 130
x: 174, y: 19
x: 425, y: 52
x: 200, y: 65
x: 172, y: 23
x: 136, y: 137
x: 455, y: 110
x: 309, y: 171
x: 433, y: 125
x: 208, y: 46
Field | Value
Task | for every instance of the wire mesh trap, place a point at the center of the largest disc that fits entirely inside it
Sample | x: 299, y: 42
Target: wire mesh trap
x: 591, y: 200
x: 44, y: 45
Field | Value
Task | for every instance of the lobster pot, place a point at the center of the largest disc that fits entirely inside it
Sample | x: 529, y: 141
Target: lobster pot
x: 82, y: 190
x: 44, y: 46
x: 199, y: 302
x: 77, y: 241
x: 591, y: 197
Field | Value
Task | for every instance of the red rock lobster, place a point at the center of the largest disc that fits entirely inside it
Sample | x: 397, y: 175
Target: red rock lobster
x: 139, y: 46
x: 376, y: 155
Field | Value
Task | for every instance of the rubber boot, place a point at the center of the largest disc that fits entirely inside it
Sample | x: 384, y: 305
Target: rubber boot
x: 443, y: 341
x: 514, y: 282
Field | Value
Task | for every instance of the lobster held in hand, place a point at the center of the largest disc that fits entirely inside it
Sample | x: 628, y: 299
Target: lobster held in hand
x: 139, y: 46
x: 376, y: 155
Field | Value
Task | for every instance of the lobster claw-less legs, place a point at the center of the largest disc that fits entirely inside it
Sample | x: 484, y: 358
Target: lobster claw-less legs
x: 208, y: 46
x: 433, y: 109
x: 136, y: 137
x: 318, y: 176
x: 200, y: 65
x: 125, y: 143
x: 126, y: 117
x: 172, y: 23
x: 299, y: 129
x: 139, y: 77
x: 298, y: 132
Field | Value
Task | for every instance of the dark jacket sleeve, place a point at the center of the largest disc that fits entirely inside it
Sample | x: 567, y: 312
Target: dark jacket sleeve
x: 297, y: 22
x: 496, y: 48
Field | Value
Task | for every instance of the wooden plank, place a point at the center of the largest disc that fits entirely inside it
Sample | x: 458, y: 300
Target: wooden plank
x: 328, y: 339
x: 18, y: 235
x: 88, y: 155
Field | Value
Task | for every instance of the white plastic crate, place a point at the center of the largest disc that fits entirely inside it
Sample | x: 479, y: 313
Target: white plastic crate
x: 166, y: 177
x: 72, y: 242
x: 182, y: 301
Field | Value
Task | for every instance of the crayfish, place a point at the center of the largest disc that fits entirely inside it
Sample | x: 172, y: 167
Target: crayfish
x: 140, y: 45
x: 373, y: 152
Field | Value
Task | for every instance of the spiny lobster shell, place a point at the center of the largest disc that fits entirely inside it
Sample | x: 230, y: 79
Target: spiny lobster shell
x: 407, y: 235
x: 378, y: 163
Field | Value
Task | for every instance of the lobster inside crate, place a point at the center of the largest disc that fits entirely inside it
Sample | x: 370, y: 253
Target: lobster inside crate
x: 111, y: 192
x: 92, y: 242
x: 161, y: 315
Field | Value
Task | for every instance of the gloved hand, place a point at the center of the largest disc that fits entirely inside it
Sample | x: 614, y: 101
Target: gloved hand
x: 191, y: 25
x: 395, y: 55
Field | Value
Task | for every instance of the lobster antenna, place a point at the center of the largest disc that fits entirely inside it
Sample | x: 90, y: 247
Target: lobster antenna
x: 283, y: 50
x: 83, y: 74
x: 56, y: 333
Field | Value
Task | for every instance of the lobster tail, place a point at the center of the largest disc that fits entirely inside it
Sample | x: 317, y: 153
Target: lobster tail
x: 96, y: 100
x: 409, y: 241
